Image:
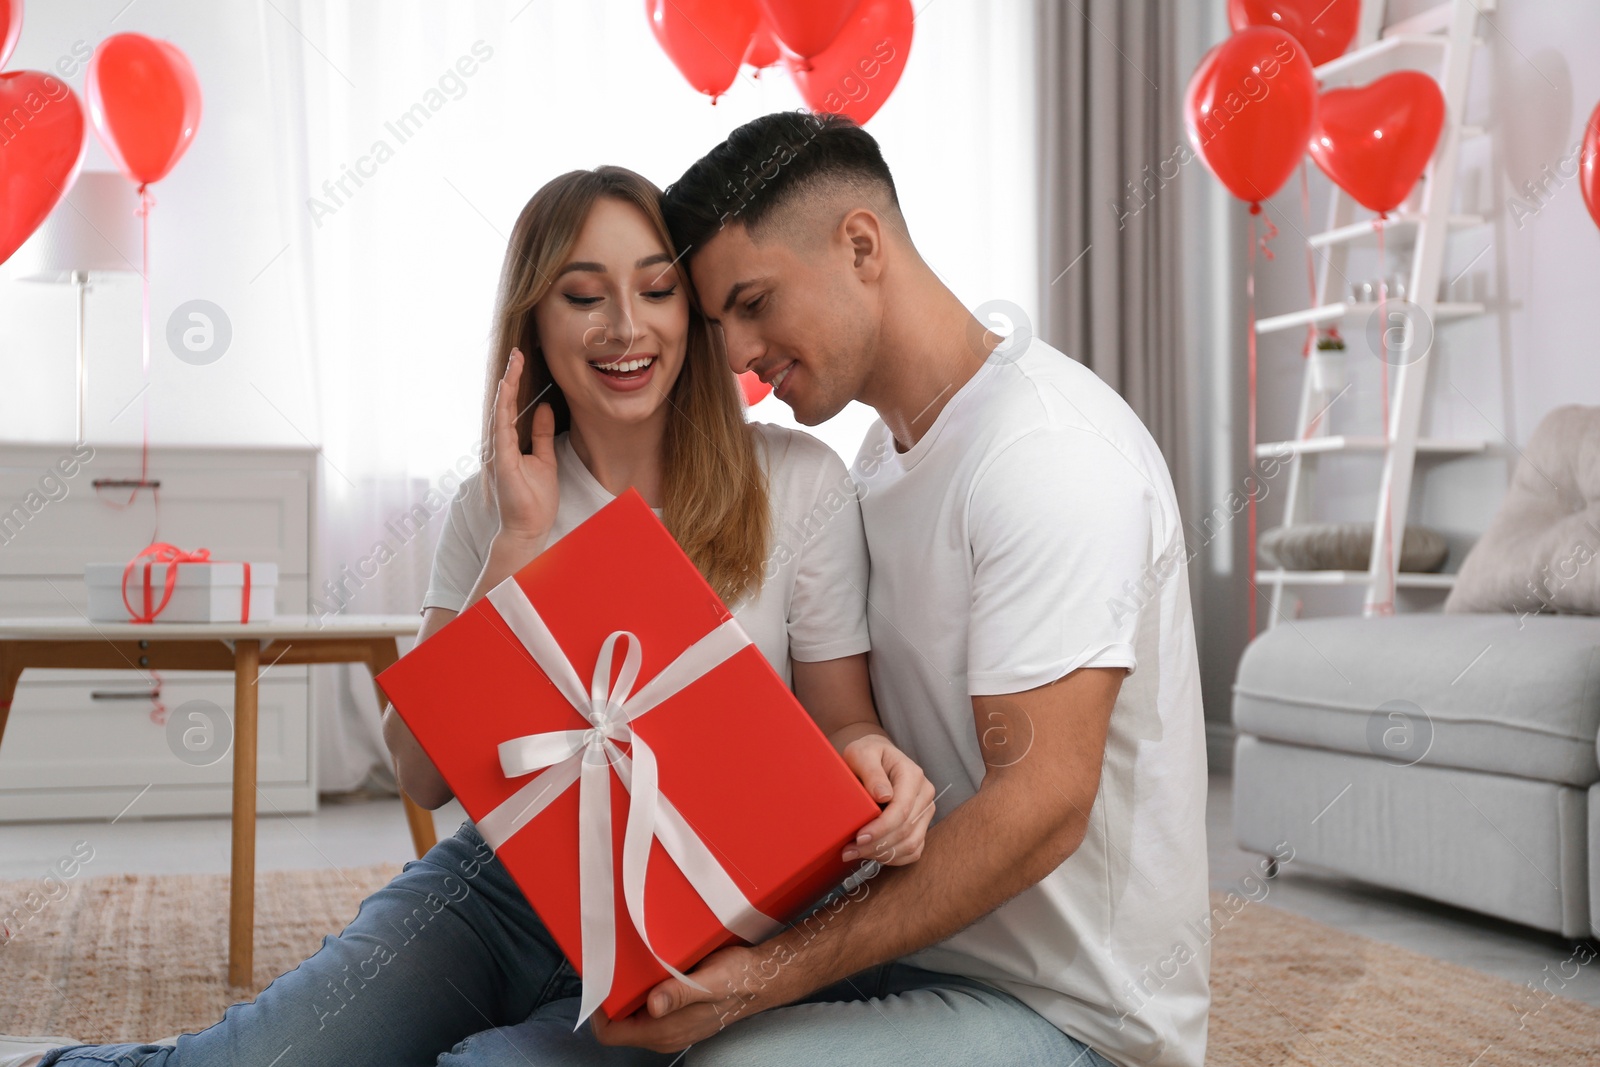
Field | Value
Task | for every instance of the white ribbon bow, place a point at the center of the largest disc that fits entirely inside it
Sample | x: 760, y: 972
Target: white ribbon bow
x: 587, y: 757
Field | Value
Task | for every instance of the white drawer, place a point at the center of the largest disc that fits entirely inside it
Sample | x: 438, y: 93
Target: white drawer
x: 52, y: 595
x: 60, y: 736
x: 237, y: 514
x: 91, y: 802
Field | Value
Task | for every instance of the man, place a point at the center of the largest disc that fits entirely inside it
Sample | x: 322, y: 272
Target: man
x: 1032, y: 649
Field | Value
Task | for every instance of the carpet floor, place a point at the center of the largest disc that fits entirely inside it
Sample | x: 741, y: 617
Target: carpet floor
x: 138, y: 957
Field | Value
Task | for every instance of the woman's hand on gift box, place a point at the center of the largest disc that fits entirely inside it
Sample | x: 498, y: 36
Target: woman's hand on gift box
x: 894, y: 780
x: 525, y: 486
x: 838, y: 695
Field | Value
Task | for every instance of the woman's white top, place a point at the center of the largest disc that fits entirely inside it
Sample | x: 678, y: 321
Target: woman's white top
x: 812, y: 601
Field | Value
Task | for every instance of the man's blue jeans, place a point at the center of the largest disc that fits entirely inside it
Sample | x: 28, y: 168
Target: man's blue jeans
x: 448, y: 965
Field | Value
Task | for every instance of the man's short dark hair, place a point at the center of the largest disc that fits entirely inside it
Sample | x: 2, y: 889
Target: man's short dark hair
x: 764, y: 164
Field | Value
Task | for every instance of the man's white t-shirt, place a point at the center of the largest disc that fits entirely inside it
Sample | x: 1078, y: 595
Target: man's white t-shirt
x: 1031, y: 531
x: 811, y: 603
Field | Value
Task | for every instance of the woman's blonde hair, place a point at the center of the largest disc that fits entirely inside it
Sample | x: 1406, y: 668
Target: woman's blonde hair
x: 713, y: 483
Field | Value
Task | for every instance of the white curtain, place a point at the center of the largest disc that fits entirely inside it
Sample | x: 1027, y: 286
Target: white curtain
x: 405, y: 147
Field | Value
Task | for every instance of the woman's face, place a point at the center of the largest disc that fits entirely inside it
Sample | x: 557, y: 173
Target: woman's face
x: 614, y: 324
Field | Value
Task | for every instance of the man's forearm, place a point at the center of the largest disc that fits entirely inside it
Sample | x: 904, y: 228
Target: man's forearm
x: 976, y: 859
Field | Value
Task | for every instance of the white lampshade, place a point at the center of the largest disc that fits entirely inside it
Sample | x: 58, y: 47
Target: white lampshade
x: 94, y: 229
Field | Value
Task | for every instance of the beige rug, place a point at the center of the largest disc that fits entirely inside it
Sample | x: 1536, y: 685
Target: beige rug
x: 136, y: 957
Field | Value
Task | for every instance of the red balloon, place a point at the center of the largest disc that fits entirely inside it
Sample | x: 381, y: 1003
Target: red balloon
x: 705, y: 39
x: 1589, y: 172
x: 807, y: 27
x: 856, y: 73
x: 10, y: 27
x: 1375, y: 141
x: 1249, y: 109
x: 40, y: 152
x: 764, y: 50
x: 145, y: 103
x: 1326, y: 29
x: 753, y: 388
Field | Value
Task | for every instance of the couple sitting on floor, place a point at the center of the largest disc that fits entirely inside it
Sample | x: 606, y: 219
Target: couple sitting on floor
x: 1028, y: 712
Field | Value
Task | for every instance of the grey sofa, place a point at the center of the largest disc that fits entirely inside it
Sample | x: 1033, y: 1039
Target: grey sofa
x: 1453, y: 756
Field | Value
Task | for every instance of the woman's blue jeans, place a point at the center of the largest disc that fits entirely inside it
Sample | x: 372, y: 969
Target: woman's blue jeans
x: 449, y: 965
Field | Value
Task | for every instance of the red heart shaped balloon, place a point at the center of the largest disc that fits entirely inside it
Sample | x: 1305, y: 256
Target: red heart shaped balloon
x: 753, y: 388
x: 145, y: 103
x: 10, y: 27
x: 1589, y: 170
x: 1326, y: 29
x: 807, y: 27
x: 1376, y: 140
x: 41, y: 147
x: 705, y: 39
x: 1249, y: 109
x: 764, y: 51
x: 856, y: 73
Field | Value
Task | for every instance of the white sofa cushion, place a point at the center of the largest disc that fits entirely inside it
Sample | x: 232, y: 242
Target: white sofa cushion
x: 1538, y: 554
x: 1482, y: 692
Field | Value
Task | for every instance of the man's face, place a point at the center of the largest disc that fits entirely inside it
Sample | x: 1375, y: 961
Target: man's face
x: 795, y: 316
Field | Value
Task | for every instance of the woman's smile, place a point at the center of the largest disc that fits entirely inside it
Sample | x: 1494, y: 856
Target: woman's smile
x: 625, y: 373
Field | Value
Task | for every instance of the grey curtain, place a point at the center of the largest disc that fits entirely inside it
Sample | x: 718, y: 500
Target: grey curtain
x: 1112, y: 145
x: 1142, y: 279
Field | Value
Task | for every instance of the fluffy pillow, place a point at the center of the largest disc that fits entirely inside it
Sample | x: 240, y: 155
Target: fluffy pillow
x: 1538, y: 553
x: 1345, y: 546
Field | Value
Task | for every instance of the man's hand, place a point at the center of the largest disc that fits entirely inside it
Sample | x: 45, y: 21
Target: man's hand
x: 675, y: 1016
x: 1030, y: 813
x: 896, y: 836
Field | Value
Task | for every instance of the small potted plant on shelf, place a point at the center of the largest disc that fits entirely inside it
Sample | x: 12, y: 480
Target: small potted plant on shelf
x: 1328, y: 362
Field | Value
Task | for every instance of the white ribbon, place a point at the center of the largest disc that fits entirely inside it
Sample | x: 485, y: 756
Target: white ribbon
x: 587, y: 757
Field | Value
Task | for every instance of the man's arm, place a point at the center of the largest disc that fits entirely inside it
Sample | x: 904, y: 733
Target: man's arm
x: 1043, y: 750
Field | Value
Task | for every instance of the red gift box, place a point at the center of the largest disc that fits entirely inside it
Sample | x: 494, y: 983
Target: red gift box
x: 730, y: 779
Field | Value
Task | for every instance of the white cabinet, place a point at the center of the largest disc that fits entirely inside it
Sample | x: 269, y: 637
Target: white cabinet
x: 83, y: 744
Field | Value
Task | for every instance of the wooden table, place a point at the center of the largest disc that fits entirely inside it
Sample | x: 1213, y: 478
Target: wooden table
x: 238, y: 647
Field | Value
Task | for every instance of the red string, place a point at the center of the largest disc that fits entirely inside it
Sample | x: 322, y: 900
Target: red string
x: 1311, y: 291
x: 1311, y: 268
x: 146, y: 201
x: 1250, y: 292
x: 171, y: 556
x: 1263, y: 244
x: 1386, y: 605
x: 1266, y: 238
x: 158, y: 710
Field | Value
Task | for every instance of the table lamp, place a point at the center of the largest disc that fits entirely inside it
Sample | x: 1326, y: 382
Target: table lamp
x: 94, y: 230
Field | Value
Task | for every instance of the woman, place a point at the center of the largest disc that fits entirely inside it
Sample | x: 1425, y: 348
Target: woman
x: 602, y: 377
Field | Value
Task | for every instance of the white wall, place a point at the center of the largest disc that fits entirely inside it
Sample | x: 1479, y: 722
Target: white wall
x: 214, y: 233
x: 957, y: 133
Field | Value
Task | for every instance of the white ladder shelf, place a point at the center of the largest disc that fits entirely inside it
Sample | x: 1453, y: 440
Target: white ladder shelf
x: 1440, y: 42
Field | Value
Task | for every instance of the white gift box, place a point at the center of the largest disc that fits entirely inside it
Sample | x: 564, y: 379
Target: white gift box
x: 203, y: 592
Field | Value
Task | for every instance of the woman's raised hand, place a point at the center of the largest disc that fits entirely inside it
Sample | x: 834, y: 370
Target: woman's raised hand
x: 525, y: 487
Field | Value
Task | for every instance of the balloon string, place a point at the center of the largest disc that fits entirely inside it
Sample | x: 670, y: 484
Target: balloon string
x: 1250, y: 292
x: 1311, y: 289
x: 146, y: 202
x: 1386, y: 605
x: 1267, y: 238
x: 1311, y: 269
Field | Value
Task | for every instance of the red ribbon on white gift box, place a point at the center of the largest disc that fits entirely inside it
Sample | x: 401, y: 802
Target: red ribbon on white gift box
x: 171, y: 555
x: 588, y: 757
